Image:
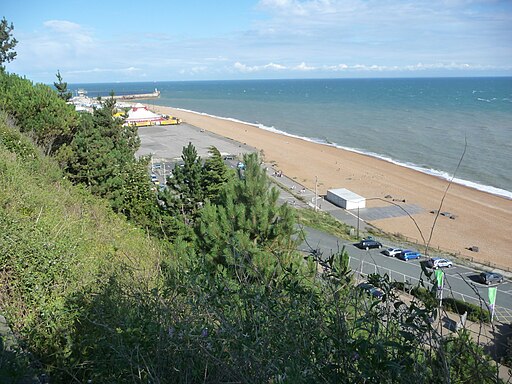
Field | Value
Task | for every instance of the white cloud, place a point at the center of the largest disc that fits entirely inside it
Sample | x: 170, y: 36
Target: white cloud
x: 361, y: 67
x: 258, y: 68
x: 128, y: 70
x: 288, y: 38
x: 391, y: 34
x: 61, y: 44
x: 304, y: 67
x: 217, y: 59
x: 274, y: 66
x: 67, y: 31
x: 63, y: 26
x: 299, y: 8
x: 338, y: 67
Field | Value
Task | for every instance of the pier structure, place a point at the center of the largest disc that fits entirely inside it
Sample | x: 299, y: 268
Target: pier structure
x: 152, y: 95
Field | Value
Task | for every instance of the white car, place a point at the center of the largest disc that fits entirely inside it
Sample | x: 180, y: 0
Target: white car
x: 437, y: 262
x: 392, y: 251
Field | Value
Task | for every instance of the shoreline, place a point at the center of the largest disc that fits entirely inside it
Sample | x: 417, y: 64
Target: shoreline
x: 428, y: 171
x: 481, y: 218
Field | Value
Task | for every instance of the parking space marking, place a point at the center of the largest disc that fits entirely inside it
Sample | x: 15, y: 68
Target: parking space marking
x: 503, y: 315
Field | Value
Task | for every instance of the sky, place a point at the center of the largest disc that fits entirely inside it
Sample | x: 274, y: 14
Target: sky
x: 159, y: 40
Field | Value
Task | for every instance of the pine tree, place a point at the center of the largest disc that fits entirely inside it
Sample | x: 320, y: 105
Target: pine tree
x: 62, y: 88
x: 103, y: 158
x: 215, y: 175
x: 265, y: 219
x: 7, y: 43
x: 247, y: 223
x: 185, y: 194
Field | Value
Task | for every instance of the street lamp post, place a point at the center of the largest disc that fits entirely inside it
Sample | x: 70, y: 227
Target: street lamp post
x: 316, y: 195
x: 358, y: 221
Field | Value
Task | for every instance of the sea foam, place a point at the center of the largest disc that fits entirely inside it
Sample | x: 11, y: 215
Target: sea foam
x: 429, y: 171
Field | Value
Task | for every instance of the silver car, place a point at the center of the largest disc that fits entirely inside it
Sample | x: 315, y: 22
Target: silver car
x: 392, y: 251
x: 437, y: 262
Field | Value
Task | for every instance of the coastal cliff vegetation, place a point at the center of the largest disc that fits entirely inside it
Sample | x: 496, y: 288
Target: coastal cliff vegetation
x: 104, y: 280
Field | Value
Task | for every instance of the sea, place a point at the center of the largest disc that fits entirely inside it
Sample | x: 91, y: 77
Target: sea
x: 453, y: 128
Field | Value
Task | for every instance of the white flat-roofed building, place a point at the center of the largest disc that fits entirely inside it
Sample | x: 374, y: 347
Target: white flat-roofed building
x: 346, y: 199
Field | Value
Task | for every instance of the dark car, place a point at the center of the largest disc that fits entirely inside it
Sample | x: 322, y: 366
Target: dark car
x: 371, y: 290
x: 369, y: 243
x: 490, y: 278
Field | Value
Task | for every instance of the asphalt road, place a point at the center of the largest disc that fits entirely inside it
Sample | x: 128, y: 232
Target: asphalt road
x: 460, y: 281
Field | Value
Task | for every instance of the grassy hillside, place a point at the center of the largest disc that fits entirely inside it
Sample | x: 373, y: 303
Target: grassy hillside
x: 58, y: 244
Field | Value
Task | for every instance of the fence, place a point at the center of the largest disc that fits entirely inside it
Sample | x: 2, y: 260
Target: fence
x: 455, y: 252
x: 364, y: 268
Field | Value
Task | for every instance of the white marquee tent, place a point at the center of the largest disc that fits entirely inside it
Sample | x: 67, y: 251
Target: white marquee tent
x: 140, y: 112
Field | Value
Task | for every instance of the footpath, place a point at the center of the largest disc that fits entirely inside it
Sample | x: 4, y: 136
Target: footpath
x: 297, y: 195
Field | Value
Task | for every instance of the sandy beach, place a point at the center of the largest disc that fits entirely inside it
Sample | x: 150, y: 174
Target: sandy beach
x: 480, y: 219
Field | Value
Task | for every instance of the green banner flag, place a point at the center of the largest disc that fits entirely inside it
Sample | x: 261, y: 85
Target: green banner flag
x: 492, y: 295
x: 439, y: 276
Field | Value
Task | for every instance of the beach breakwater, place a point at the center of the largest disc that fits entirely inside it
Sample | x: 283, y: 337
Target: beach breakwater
x: 152, y: 95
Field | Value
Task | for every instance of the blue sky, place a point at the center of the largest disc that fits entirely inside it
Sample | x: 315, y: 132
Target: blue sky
x: 152, y: 40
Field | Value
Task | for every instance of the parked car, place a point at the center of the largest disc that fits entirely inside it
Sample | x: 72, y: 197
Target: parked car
x: 407, y: 255
x: 371, y: 290
x: 437, y: 262
x: 369, y: 243
x: 392, y: 251
x: 491, y: 278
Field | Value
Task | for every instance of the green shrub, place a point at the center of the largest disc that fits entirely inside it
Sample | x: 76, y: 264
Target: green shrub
x: 475, y: 313
x: 12, y: 139
x: 323, y: 221
x: 58, y: 242
x: 38, y: 111
x: 426, y: 296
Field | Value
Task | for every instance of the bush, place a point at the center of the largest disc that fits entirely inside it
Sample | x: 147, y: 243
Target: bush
x: 323, y: 221
x: 15, y: 142
x: 38, y: 111
x: 57, y: 242
x: 475, y: 313
x: 426, y: 296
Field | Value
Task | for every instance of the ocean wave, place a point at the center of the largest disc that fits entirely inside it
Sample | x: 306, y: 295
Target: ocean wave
x: 429, y: 171
x: 435, y: 172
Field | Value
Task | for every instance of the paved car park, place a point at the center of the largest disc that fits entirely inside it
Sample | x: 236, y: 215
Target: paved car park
x: 378, y: 213
x: 168, y: 142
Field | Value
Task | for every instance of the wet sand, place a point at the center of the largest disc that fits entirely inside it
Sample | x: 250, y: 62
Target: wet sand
x: 480, y: 219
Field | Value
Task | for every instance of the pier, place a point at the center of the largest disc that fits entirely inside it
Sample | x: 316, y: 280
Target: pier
x: 153, y: 95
